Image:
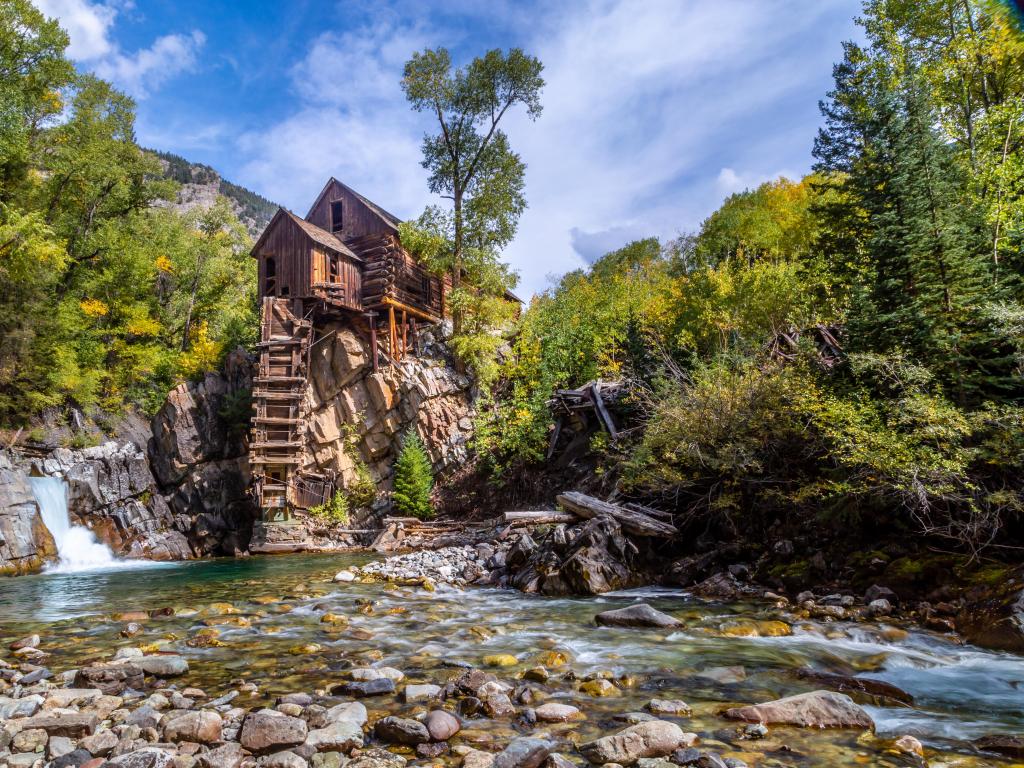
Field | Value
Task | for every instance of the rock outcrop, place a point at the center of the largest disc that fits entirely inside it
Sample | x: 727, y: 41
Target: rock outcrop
x: 25, y: 543
x: 993, y: 616
x: 357, y: 417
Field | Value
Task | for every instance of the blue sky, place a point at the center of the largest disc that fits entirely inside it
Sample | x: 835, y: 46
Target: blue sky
x: 654, y: 110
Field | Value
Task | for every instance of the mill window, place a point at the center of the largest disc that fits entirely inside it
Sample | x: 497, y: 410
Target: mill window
x: 337, y: 221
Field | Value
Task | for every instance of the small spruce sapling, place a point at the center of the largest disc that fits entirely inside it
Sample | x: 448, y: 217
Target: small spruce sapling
x: 414, y: 479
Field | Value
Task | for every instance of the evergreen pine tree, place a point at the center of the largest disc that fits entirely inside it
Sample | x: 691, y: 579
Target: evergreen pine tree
x: 919, y: 250
x: 414, y: 479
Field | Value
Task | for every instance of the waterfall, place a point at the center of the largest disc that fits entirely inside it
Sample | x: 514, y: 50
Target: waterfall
x: 77, y: 546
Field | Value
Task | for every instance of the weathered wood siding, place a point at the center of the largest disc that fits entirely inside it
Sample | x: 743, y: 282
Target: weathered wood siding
x: 290, y: 248
x: 357, y: 218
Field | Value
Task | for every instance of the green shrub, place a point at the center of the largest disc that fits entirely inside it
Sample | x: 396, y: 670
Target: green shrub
x: 333, y: 511
x: 414, y: 479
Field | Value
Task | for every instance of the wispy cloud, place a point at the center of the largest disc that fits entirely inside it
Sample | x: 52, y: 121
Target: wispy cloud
x: 351, y: 121
x: 654, y: 111
x: 89, y: 26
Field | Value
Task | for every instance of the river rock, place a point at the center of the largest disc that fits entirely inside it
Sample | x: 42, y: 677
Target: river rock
x: 864, y: 686
x: 29, y: 740
x: 228, y: 755
x: 523, y: 752
x: 993, y: 615
x: 59, y: 746
x: 162, y: 665
x: 414, y: 694
x: 76, y: 758
x: 377, y: 758
x: 363, y: 688
x: 376, y: 673
x: 639, y: 615
x: 656, y: 738
x: 553, y: 712
x: 147, y: 757
x: 74, y: 725
x: 286, y: 759
x: 441, y: 725
x: 400, y: 730
x: 338, y: 736
x: 818, y: 709
x: 1010, y: 746
x: 111, y: 679
x: 201, y: 727
x: 673, y: 707
x: 144, y: 717
x: 350, y: 712
x: 267, y: 730
x: 26, y: 706
x: 100, y: 743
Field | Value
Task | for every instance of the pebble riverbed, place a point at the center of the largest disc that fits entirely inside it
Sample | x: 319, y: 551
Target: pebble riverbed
x: 219, y: 642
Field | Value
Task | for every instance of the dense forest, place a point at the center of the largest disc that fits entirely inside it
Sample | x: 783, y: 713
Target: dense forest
x: 847, y: 347
x: 107, y: 297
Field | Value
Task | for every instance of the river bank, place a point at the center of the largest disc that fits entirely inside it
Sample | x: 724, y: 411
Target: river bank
x: 280, y: 633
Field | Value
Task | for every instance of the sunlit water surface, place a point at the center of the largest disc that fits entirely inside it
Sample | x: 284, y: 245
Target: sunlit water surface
x: 276, y: 640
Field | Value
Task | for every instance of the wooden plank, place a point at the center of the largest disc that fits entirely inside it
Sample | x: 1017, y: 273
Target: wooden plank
x: 540, y: 517
x: 631, y: 521
x: 602, y: 412
x: 422, y: 314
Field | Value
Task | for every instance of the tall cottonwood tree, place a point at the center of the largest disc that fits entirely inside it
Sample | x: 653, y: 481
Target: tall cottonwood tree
x: 472, y: 164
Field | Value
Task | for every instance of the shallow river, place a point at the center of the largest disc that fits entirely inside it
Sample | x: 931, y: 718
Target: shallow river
x: 268, y: 613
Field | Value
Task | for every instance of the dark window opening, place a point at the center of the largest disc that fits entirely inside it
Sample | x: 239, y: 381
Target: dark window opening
x: 337, y: 221
x: 335, y: 274
x: 270, y: 277
x: 284, y: 290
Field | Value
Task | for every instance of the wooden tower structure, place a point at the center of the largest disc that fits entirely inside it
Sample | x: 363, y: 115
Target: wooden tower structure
x: 342, y: 262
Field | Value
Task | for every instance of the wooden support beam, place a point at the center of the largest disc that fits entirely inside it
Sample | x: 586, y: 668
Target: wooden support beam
x: 405, y: 348
x: 393, y: 334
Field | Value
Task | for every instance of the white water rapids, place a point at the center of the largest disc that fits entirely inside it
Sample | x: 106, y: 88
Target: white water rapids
x: 77, y: 546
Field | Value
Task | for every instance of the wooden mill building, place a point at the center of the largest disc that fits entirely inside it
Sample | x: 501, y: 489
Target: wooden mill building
x: 343, y: 261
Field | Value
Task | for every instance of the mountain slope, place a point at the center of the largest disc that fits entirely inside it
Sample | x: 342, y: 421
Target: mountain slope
x: 201, y: 184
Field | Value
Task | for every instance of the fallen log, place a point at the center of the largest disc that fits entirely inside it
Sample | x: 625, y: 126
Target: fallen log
x: 636, y: 523
x: 540, y: 517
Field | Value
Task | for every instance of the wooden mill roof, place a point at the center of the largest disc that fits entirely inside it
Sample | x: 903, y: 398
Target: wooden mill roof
x: 315, y: 233
x: 389, y: 219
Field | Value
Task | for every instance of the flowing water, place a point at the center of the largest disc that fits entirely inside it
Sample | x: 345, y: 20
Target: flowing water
x: 266, y: 613
x: 77, y: 546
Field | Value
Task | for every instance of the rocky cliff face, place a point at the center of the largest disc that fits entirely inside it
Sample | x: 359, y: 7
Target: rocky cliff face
x: 25, y: 544
x: 356, y: 420
x: 358, y: 416
x: 186, y: 492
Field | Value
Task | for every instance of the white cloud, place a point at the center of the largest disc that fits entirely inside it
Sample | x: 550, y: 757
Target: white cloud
x: 351, y: 122
x: 729, y: 181
x: 649, y: 107
x: 138, y: 73
x: 87, y: 24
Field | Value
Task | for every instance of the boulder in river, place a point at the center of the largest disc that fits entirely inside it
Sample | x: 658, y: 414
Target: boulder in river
x: 818, y: 709
x: 523, y: 752
x: 401, y: 730
x: 1010, y: 746
x: 338, y: 736
x: 441, y: 725
x: 655, y: 738
x: 639, y: 615
x: 267, y: 730
x: 362, y: 688
x: 858, y: 686
x: 203, y: 727
x: 993, y: 616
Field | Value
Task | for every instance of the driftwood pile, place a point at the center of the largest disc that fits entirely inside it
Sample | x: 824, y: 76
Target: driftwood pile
x: 634, y: 518
x: 576, y: 407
